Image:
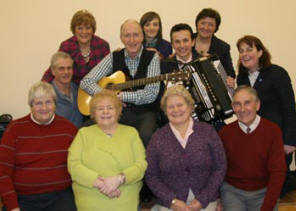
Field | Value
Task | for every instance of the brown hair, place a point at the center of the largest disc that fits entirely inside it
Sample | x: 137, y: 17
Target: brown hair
x: 83, y: 17
x: 149, y: 16
x: 211, y: 13
x: 250, y: 40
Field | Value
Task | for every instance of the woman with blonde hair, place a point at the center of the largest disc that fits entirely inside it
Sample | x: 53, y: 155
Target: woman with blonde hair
x: 107, y: 160
x: 186, y: 160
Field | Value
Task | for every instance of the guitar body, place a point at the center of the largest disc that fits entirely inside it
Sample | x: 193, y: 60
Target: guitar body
x: 83, y: 99
x: 117, y: 82
x: 115, y: 78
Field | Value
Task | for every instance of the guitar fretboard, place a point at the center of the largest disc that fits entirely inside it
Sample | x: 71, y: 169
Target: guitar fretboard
x: 178, y: 76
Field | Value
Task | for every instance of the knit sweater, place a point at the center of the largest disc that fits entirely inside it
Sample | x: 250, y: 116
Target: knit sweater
x: 33, y: 158
x: 94, y: 154
x: 173, y: 170
x: 255, y: 160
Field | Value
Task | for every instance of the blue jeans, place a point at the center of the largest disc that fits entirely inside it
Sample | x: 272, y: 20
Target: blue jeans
x: 234, y: 199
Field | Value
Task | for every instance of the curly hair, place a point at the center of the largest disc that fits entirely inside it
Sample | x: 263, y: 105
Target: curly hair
x: 83, y: 17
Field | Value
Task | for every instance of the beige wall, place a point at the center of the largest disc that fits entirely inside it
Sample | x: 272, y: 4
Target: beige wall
x: 31, y: 31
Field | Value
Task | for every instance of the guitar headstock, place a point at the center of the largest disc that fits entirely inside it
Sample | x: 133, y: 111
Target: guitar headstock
x: 182, y: 75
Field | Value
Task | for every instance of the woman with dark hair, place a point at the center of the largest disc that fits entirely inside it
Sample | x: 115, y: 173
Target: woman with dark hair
x: 152, y: 28
x: 85, y: 48
x: 273, y: 86
x: 207, y: 23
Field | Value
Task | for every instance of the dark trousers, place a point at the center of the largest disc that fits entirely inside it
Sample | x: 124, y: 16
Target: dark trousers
x: 145, y: 121
x: 53, y: 201
x: 290, y: 182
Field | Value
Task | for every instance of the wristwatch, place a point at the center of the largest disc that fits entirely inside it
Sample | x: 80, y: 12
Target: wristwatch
x: 174, y: 201
x: 121, y: 178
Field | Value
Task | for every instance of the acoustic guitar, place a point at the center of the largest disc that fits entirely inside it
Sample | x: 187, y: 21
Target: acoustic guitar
x: 117, y: 82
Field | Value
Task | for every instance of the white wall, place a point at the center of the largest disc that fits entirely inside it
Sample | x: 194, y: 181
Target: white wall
x: 31, y: 31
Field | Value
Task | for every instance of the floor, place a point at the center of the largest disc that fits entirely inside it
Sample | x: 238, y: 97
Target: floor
x: 288, y: 203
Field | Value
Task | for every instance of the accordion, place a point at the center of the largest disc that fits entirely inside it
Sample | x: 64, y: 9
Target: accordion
x: 208, y: 88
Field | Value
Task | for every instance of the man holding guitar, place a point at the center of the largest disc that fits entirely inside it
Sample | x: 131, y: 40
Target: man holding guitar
x: 140, y: 108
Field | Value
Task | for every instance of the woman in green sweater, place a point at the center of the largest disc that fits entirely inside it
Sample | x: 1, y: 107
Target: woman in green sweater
x: 107, y: 160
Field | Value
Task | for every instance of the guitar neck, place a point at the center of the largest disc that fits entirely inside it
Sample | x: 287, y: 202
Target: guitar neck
x: 137, y: 82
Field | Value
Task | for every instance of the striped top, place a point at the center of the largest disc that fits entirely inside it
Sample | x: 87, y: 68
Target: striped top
x: 33, y: 158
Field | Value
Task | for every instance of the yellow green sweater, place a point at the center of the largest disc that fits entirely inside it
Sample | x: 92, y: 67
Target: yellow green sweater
x: 94, y: 154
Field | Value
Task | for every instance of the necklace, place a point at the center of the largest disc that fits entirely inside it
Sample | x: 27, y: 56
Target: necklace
x: 86, y: 55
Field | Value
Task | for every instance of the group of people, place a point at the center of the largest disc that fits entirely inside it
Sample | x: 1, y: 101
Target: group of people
x: 45, y: 164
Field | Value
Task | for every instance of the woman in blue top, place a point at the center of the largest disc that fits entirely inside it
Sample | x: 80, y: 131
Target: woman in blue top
x: 152, y: 28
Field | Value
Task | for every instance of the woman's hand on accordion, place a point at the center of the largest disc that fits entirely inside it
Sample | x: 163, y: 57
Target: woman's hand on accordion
x: 230, y: 82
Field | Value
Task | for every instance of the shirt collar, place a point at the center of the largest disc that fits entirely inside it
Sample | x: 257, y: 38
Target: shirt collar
x: 58, y: 92
x: 253, y: 77
x: 189, y: 131
x: 38, y: 123
x: 182, y: 61
x: 253, y: 126
x: 137, y: 57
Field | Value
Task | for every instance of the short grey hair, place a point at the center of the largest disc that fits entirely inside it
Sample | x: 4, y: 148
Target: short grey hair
x: 40, y: 89
x: 248, y: 89
x: 178, y: 90
x: 56, y: 56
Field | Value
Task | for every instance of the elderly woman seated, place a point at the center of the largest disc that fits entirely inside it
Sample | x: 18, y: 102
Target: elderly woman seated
x: 107, y: 160
x: 186, y: 160
x: 33, y: 157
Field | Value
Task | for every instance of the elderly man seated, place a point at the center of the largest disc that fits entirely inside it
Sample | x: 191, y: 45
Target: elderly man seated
x: 256, y: 166
x: 33, y: 157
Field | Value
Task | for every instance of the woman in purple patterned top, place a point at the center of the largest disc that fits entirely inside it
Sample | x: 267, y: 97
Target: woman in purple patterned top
x: 186, y: 160
x: 85, y: 48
